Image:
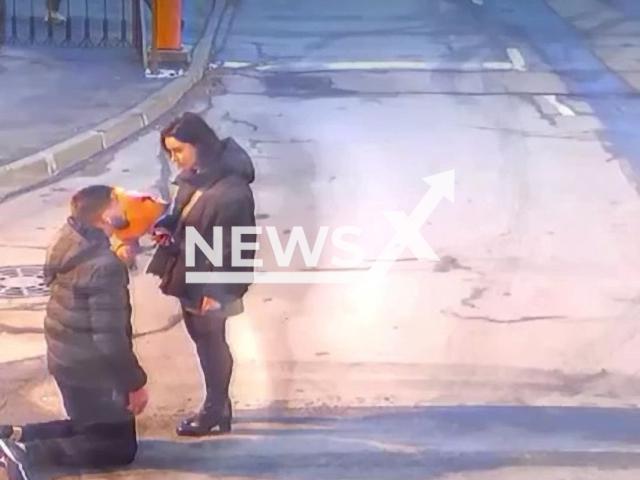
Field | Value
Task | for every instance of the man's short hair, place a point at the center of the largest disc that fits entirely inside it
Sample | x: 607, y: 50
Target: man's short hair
x: 90, y: 202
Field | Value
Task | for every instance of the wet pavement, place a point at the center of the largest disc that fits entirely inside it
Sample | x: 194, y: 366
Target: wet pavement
x: 515, y: 357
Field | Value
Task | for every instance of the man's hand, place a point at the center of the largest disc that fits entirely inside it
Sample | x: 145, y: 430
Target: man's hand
x: 127, y: 253
x: 210, y: 304
x: 138, y: 401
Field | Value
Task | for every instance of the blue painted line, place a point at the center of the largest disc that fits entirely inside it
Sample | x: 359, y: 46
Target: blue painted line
x: 556, y: 41
x: 630, y: 7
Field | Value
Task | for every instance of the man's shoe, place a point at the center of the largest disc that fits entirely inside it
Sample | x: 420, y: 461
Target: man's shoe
x: 13, y: 457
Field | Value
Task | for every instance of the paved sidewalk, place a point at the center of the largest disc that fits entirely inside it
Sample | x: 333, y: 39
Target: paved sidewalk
x: 49, y: 94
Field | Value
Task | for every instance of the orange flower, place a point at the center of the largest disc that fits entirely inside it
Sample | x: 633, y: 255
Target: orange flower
x: 142, y: 211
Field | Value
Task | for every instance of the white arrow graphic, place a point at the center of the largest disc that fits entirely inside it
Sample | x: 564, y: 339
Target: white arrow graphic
x: 407, y: 235
x: 408, y: 228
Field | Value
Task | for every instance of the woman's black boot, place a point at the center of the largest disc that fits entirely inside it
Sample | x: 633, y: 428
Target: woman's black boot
x: 203, y: 423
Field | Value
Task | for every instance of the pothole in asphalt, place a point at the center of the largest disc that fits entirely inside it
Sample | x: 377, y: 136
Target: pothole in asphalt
x: 24, y: 281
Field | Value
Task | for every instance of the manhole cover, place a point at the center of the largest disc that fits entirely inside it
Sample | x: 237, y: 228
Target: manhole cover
x: 22, y: 282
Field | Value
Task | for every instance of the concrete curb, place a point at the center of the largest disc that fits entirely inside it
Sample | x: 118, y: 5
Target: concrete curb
x: 48, y: 163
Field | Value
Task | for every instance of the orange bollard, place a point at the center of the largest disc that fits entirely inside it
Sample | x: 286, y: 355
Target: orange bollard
x: 168, y: 19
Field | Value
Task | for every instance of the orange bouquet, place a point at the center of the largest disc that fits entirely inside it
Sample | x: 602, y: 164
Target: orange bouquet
x: 141, y: 211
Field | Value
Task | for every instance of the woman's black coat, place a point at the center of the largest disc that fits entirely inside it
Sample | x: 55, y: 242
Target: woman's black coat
x: 227, y: 201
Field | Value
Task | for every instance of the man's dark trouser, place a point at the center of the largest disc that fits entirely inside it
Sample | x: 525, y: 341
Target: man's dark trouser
x: 100, y: 432
x: 208, y: 332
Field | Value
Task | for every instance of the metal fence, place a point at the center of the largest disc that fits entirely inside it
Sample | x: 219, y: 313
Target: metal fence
x: 81, y: 23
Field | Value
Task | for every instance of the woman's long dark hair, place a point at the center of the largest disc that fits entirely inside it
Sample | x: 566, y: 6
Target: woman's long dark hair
x: 192, y: 129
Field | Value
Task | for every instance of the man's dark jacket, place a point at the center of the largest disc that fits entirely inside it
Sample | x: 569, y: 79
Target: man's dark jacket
x: 88, y: 321
x: 227, y: 201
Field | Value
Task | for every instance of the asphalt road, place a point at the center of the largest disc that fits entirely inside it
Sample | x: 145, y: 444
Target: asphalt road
x: 514, y: 357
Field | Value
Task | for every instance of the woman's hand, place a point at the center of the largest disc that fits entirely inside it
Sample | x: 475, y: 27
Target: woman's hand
x: 210, y: 305
x: 161, y: 236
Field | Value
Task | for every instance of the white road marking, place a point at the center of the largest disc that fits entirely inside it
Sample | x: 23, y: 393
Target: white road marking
x: 478, y: 2
x: 562, y: 108
x: 516, y: 59
x: 363, y: 66
x: 231, y: 65
x: 337, y: 66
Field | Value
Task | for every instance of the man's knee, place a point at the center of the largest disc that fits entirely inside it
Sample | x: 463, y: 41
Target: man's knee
x: 126, y: 453
x: 113, y: 445
x: 115, y: 454
x: 127, y: 444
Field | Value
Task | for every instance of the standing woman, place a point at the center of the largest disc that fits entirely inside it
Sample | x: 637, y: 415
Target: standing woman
x: 213, y: 191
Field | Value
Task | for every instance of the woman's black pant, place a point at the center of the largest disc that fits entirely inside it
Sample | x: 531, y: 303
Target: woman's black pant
x: 208, y: 333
